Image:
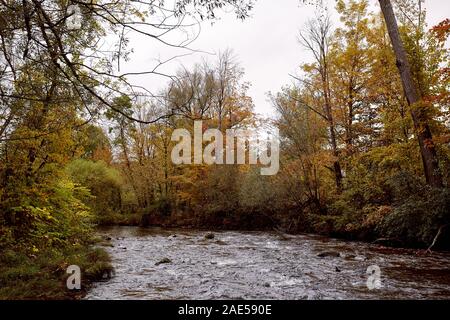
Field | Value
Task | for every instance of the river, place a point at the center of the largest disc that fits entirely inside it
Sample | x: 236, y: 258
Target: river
x: 263, y: 265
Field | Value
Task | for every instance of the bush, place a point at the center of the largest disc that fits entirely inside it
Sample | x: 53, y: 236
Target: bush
x: 104, y: 184
x: 162, y: 207
x: 417, y: 218
x: 372, y: 176
x: 48, y: 216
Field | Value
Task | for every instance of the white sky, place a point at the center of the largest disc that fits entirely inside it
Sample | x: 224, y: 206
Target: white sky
x: 265, y: 45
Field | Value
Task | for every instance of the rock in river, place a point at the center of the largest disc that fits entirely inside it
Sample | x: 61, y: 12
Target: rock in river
x: 209, y: 235
x: 328, y: 254
x: 164, y: 260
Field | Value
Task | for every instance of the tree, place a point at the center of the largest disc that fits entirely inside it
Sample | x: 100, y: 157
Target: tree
x: 305, y: 137
x: 93, y: 142
x: 317, y: 40
x: 423, y: 131
x: 351, y: 56
x: 48, y: 35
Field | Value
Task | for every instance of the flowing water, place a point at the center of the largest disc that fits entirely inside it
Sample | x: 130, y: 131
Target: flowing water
x: 263, y: 265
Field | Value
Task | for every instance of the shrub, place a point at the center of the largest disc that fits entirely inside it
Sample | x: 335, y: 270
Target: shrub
x: 104, y: 184
x: 417, y: 218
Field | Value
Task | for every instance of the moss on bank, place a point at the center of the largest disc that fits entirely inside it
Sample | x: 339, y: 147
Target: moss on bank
x: 43, y: 275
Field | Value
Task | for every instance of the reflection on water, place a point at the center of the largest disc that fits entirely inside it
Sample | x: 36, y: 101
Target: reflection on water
x: 262, y: 265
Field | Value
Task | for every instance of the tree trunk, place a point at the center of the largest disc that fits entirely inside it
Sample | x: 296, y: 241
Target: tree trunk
x: 427, y: 148
x: 328, y: 112
x: 141, y: 203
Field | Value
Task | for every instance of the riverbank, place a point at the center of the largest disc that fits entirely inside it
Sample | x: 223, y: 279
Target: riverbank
x: 366, y: 226
x: 42, y: 275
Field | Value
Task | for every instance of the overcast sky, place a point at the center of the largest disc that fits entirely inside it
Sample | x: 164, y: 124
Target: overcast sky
x: 265, y: 45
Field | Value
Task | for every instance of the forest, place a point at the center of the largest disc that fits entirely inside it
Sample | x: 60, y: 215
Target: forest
x: 364, y: 130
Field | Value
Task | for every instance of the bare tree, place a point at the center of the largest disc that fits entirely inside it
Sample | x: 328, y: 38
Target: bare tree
x: 316, y: 39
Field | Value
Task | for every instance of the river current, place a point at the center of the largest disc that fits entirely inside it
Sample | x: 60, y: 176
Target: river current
x: 155, y: 263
